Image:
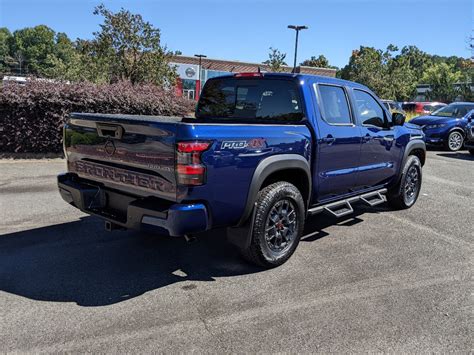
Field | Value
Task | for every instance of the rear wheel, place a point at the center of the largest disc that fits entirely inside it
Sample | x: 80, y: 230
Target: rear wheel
x: 405, y: 194
x: 455, y: 141
x: 278, y: 225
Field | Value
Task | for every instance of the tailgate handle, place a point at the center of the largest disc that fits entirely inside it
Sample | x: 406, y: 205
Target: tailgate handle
x: 110, y: 131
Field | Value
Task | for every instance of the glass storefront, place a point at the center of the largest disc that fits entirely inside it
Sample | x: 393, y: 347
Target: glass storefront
x: 189, y: 88
x: 189, y: 75
x: 209, y: 74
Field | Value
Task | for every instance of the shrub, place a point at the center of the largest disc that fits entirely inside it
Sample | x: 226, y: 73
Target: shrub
x: 32, y: 115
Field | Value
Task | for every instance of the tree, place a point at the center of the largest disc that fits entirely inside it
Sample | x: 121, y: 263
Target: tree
x: 96, y: 68
x: 418, y: 60
x: 130, y: 49
x: 441, y: 77
x: 65, y: 62
x: 466, y: 92
x: 31, y: 47
x: 366, y: 67
x: 276, y: 60
x: 5, y: 57
x: 388, y: 73
x: 401, y: 79
x: 318, y: 62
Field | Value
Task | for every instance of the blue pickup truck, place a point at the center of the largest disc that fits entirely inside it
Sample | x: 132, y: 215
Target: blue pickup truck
x: 263, y: 152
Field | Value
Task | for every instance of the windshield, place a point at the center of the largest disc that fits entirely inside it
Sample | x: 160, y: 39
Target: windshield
x: 454, y: 110
x: 250, y: 99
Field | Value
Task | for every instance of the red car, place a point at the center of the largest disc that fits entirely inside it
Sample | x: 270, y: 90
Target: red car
x: 422, y: 108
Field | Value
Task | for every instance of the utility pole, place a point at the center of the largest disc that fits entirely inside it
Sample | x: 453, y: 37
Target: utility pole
x: 297, y: 29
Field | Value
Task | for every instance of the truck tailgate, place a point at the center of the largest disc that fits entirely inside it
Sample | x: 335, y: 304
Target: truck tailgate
x: 135, y: 154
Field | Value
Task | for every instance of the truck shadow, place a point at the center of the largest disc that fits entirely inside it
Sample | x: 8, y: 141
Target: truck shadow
x: 80, y: 262
x: 464, y: 155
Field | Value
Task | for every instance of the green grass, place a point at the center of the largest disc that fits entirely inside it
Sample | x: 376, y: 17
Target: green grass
x: 410, y: 115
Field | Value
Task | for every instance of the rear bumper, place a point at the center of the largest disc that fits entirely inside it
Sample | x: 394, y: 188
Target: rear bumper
x: 132, y: 212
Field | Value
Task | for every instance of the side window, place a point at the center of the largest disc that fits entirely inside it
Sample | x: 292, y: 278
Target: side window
x: 369, y: 112
x: 334, y: 105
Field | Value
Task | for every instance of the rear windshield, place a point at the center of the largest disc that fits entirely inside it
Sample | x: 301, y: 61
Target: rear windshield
x: 250, y: 100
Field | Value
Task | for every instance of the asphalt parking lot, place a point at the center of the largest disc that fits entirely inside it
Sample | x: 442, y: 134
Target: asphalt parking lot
x: 377, y: 281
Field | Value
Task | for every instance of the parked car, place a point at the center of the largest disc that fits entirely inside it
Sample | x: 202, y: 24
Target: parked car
x: 422, y: 108
x: 469, y: 143
x: 263, y: 152
x: 393, y: 106
x: 446, y: 125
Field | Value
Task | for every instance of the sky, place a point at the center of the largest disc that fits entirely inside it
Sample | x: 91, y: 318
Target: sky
x: 244, y: 30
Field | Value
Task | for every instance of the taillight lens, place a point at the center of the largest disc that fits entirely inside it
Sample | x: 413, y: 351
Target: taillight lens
x: 189, y: 168
x: 246, y: 75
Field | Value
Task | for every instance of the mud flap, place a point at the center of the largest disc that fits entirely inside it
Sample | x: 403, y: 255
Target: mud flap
x: 242, y: 236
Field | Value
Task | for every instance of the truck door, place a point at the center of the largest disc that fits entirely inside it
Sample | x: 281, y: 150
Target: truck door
x: 338, y: 143
x: 380, y: 152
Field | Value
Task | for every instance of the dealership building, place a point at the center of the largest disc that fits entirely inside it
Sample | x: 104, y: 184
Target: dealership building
x: 188, y: 72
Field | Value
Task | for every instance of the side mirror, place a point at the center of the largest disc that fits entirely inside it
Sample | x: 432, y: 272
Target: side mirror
x: 398, y: 119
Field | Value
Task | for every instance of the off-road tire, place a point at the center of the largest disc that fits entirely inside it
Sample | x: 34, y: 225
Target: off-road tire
x: 259, y: 252
x: 397, y: 197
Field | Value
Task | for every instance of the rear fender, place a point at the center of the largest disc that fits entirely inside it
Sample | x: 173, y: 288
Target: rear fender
x: 240, y: 234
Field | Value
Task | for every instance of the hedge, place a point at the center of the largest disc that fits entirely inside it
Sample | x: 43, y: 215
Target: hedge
x: 32, y: 115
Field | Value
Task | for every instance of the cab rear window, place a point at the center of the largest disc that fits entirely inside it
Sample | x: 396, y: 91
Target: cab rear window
x: 250, y: 100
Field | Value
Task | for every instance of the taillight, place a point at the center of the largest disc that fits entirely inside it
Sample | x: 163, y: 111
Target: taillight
x: 189, y: 167
x: 248, y: 74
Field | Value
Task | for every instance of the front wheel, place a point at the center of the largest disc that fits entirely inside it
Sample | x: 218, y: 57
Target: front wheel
x: 405, y: 193
x: 455, y: 141
x: 278, y: 225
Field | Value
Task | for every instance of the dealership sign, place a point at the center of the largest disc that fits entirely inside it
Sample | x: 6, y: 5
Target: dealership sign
x: 186, y: 71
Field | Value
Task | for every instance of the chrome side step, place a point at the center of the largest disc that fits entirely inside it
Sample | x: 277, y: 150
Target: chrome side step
x: 344, y: 207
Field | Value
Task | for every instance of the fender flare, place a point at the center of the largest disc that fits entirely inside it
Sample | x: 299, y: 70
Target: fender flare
x: 413, y: 144
x: 268, y: 166
x: 458, y: 128
x: 241, y: 234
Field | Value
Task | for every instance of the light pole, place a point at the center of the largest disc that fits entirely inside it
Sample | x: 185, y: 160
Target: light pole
x: 198, y: 87
x: 297, y: 29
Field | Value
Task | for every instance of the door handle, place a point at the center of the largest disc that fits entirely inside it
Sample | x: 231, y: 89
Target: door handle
x: 389, y: 138
x: 329, y: 140
x: 366, y: 138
